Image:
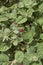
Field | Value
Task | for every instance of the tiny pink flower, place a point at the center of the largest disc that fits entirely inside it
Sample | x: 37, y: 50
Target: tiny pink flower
x: 21, y: 30
x: 15, y: 23
x: 21, y: 64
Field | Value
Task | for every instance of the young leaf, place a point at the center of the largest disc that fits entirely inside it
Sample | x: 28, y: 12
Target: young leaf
x: 20, y: 5
x: 40, y: 50
x: 41, y: 7
x: 40, y: 21
x: 41, y: 36
x: 2, y: 18
x: 22, y: 21
x: 4, y: 58
x: 37, y: 63
x: 15, y: 42
x: 27, y: 3
x: 30, y: 12
x: 4, y: 47
x: 19, y: 56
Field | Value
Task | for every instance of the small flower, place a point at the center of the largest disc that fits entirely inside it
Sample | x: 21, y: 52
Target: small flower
x: 15, y: 23
x: 21, y: 64
x: 21, y: 30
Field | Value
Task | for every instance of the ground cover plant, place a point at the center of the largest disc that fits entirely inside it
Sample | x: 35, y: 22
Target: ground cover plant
x: 21, y: 32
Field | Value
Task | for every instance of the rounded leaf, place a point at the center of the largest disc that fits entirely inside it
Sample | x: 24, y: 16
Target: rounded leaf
x: 4, y: 46
x: 15, y: 42
x: 19, y: 56
x: 41, y: 7
x: 40, y: 50
x: 37, y: 63
x: 4, y: 58
x: 41, y: 36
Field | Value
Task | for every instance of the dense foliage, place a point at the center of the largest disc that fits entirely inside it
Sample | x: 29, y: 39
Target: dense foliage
x: 21, y: 32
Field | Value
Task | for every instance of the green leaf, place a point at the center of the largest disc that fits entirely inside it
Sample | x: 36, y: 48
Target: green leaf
x: 30, y: 12
x: 25, y: 62
x: 16, y: 64
x: 40, y: 21
x: 32, y: 57
x: 7, y: 31
x: 5, y: 63
x: 20, y: 39
x: 16, y: 31
x: 28, y: 58
x: 13, y: 36
x: 37, y: 63
x: 14, y: 6
x: 41, y: 7
x: 4, y: 46
x: 33, y: 30
x: 19, y: 19
x: 1, y: 33
x: 22, y: 12
x: 2, y: 18
x: 41, y: 36
x: 19, y: 56
x: 15, y: 42
x: 42, y: 27
x: 20, y: 5
x: 28, y: 36
x: 27, y: 2
x: 40, y: 50
x: 14, y: 28
x: 4, y: 58
x: 25, y: 36
x: 3, y: 9
x: 22, y: 21
x: 13, y: 14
